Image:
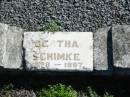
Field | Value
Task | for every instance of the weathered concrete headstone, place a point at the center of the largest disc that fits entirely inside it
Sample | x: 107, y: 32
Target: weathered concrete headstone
x: 59, y: 51
x: 121, y: 46
x: 100, y: 49
x: 10, y: 46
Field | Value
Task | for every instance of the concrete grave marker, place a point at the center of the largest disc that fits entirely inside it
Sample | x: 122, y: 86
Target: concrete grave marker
x: 59, y: 51
x: 10, y: 46
x: 121, y: 46
x: 100, y: 49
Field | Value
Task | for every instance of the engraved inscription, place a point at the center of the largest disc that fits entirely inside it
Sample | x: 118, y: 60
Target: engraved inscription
x: 59, y: 51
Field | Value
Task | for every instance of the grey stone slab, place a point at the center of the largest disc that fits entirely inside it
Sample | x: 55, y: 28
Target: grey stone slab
x: 100, y: 49
x: 10, y: 46
x: 121, y: 46
x: 70, y: 51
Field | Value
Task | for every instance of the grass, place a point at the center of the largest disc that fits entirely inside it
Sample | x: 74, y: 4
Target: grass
x: 5, y: 90
x: 92, y: 93
x: 9, y: 86
x: 57, y: 90
x: 51, y: 27
x: 60, y: 90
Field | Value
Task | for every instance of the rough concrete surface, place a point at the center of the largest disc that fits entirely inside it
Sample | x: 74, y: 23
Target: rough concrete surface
x: 121, y: 46
x: 100, y: 49
x: 10, y: 46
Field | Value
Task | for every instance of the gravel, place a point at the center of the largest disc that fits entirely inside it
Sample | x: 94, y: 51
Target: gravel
x: 71, y: 15
x: 17, y: 93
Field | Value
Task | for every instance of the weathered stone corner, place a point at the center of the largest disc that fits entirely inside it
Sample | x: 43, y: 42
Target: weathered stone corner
x: 10, y: 46
x: 121, y: 46
x: 100, y: 49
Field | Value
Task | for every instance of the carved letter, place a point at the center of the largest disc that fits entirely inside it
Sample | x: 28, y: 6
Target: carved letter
x: 75, y: 44
x: 37, y: 43
x: 60, y: 56
x: 42, y: 56
x: 76, y: 56
x: 44, y: 43
x: 60, y: 42
x: 49, y: 56
x: 68, y: 43
x: 68, y: 56
x: 35, y: 55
